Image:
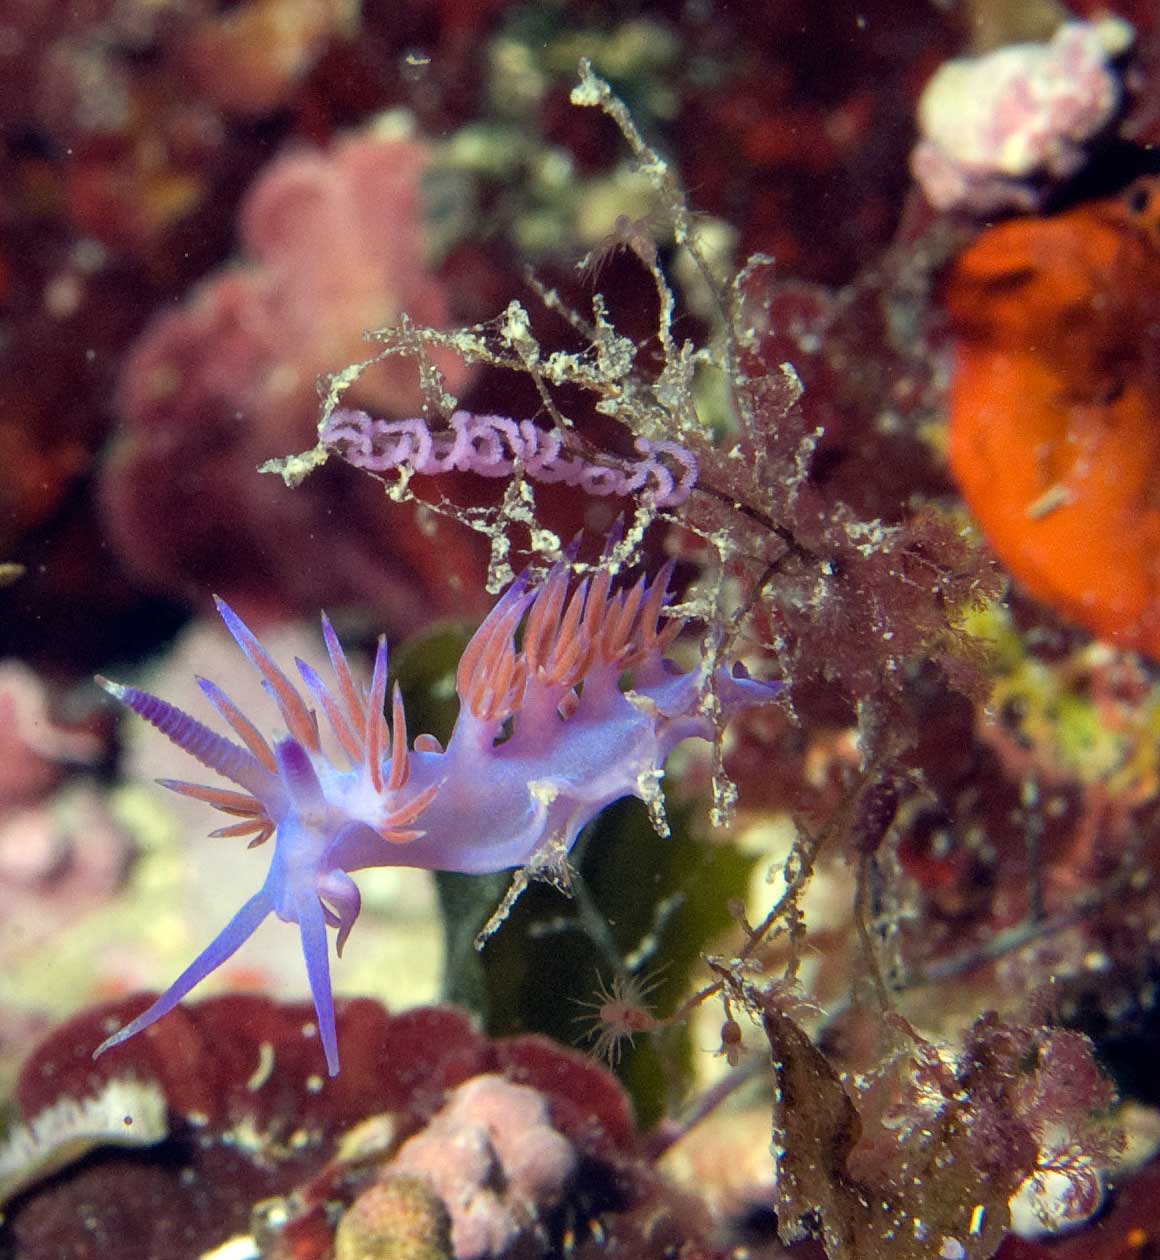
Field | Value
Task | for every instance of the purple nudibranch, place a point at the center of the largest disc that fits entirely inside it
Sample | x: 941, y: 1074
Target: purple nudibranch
x: 546, y: 737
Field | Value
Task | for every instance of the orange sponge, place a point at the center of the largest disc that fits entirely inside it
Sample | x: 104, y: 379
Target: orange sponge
x: 1055, y: 408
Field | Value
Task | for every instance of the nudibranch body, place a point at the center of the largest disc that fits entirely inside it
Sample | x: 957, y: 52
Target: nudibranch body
x: 547, y: 735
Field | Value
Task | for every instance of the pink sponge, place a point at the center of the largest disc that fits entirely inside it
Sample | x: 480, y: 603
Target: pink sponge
x: 332, y: 246
x: 493, y: 1157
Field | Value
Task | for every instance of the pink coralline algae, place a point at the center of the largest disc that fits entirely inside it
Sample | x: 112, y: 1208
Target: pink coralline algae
x: 334, y: 246
x: 60, y: 849
x: 545, y: 738
x: 57, y: 859
x: 494, y: 1158
x: 998, y: 131
x: 332, y: 242
x: 493, y: 446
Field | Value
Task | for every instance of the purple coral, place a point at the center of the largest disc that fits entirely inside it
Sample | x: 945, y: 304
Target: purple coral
x: 493, y: 1157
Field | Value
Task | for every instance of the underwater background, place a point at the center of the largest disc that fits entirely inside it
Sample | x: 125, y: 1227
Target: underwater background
x: 772, y: 869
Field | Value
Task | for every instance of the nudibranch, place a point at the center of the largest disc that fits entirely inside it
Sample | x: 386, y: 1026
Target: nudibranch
x: 582, y: 711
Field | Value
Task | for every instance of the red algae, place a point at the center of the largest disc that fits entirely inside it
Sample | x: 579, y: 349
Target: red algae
x: 251, y: 1119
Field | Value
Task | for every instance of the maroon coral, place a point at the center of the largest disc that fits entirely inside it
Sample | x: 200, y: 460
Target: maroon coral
x: 251, y: 1118
x: 239, y: 1075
